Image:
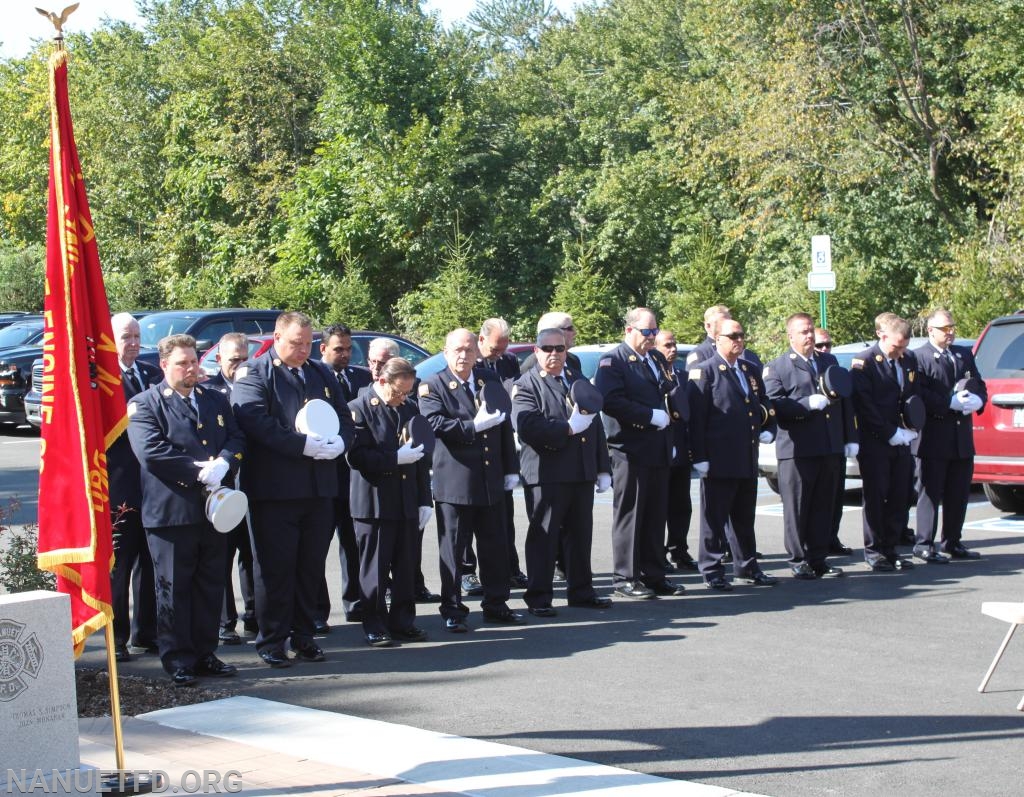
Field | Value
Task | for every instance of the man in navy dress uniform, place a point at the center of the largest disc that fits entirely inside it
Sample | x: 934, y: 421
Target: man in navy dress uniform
x: 475, y: 463
x: 815, y: 435
x: 945, y: 449
x: 292, y: 481
x: 336, y: 354
x: 232, y: 351
x: 707, y: 348
x: 635, y: 379
x: 390, y: 502
x: 730, y: 414
x: 564, y: 454
x: 187, y: 443
x: 884, y: 376
x: 133, y: 568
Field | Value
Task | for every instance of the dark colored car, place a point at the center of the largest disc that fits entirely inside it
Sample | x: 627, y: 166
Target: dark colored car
x: 360, y: 343
x: 15, y: 375
x: 206, y: 326
x: 9, y: 317
x: 999, y: 428
x: 24, y: 332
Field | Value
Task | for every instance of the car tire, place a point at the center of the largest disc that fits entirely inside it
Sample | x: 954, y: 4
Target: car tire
x: 773, y: 482
x: 1006, y: 497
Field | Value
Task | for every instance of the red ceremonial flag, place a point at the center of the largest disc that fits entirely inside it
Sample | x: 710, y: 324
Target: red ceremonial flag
x: 83, y: 408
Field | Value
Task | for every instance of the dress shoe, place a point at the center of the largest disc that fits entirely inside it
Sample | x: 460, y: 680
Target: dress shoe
x: 760, y: 579
x: 379, y: 640
x: 471, y: 585
x: 424, y: 595
x: 542, y: 611
x: 902, y: 564
x: 907, y: 537
x: 505, y: 617
x: 838, y: 549
x: 634, y: 590
x: 309, y: 652
x: 758, y: 555
x: 354, y: 616
x: 668, y: 566
x: 145, y: 647
x: 827, y: 571
x: 726, y: 557
x: 229, y: 636
x: 684, y: 562
x: 276, y: 658
x: 321, y: 627
x: 597, y: 602
x: 803, y: 571
x: 410, y: 634
x: 455, y: 626
x: 960, y: 551
x: 930, y: 555
x: 121, y: 652
x: 250, y: 626
x: 718, y: 583
x: 518, y: 581
x: 881, y: 566
x: 214, y: 668
x: 667, y: 588
x: 184, y: 676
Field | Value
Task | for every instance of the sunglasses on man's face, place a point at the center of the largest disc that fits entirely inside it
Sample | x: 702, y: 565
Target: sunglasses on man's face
x: 734, y: 335
x: 947, y: 329
x: 550, y: 347
x: 824, y: 345
x: 648, y: 333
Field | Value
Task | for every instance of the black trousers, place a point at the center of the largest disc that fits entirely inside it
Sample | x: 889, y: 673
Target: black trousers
x: 563, y: 514
x: 945, y: 482
x: 386, y: 549
x: 188, y: 563
x: 348, y: 558
x: 837, y: 509
x: 456, y: 524
x: 290, y: 540
x: 640, y: 505
x: 680, y: 510
x: 808, y: 488
x: 469, y: 560
x: 727, y: 509
x: 886, y: 487
x: 238, y: 541
x: 133, y: 571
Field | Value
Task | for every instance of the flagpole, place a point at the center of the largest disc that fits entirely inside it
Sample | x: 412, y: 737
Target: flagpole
x: 120, y: 781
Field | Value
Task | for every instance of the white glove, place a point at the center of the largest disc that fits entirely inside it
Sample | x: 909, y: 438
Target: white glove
x: 314, y: 443
x: 851, y: 449
x: 484, y: 420
x: 604, y: 482
x: 578, y: 422
x: 331, y: 448
x: 426, y: 513
x: 659, y: 418
x: 817, y: 401
x: 511, y: 481
x: 956, y: 403
x: 902, y: 437
x: 910, y: 435
x: 407, y: 455
x: 701, y: 468
x: 972, y: 403
x: 213, y: 472
x: 766, y: 436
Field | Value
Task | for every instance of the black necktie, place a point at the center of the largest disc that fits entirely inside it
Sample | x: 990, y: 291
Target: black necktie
x: 190, y: 409
x: 133, y: 380
x: 346, y: 388
x: 814, y: 366
x: 297, y: 374
x: 469, y: 391
x: 739, y: 379
x: 647, y: 370
x: 947, y: 361
x: 895, y: 371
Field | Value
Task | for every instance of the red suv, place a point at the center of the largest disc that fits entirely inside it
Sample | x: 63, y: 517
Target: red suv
x: 999, y: 428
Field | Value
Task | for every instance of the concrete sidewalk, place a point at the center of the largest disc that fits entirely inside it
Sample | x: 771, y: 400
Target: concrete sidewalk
x: 259, y: 747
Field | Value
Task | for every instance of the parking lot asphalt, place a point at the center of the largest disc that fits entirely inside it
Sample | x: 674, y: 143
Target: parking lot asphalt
x: 861, y: 685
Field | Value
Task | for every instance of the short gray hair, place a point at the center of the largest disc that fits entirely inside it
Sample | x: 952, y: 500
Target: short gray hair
x: 499, y: 325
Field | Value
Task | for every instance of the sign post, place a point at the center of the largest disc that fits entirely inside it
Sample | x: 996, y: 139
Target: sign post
x: 821, y: 278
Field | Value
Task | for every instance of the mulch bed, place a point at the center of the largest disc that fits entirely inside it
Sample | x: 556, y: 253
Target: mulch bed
x: 138, y: 695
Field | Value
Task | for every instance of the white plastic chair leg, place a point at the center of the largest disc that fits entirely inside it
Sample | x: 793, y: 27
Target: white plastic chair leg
x: 995, y: 661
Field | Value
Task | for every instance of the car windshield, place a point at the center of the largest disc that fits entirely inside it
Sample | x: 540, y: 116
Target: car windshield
x: 1001, y: 352
x: 18, y: 334
x: 588, y: 361
x: 160, y: 325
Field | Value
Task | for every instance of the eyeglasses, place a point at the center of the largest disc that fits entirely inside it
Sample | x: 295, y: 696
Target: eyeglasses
x: 649, y: 333
x: 550, y: 347
x: 947, y: 329
x: 733, y: 335
x: 237, y: 360
x: 825, y: 344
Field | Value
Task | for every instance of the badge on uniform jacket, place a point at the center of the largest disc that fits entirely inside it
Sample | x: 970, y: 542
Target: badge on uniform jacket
x: 424, y: 389
x: 220, y: 420
x: 453, y: 384
x: 632, y: 358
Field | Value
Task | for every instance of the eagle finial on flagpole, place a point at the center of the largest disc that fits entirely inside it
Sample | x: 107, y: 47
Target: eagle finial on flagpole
x: 58, y: 21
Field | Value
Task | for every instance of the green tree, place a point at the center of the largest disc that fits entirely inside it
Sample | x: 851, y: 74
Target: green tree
x: 22, y: 271
x: 585, y: 292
